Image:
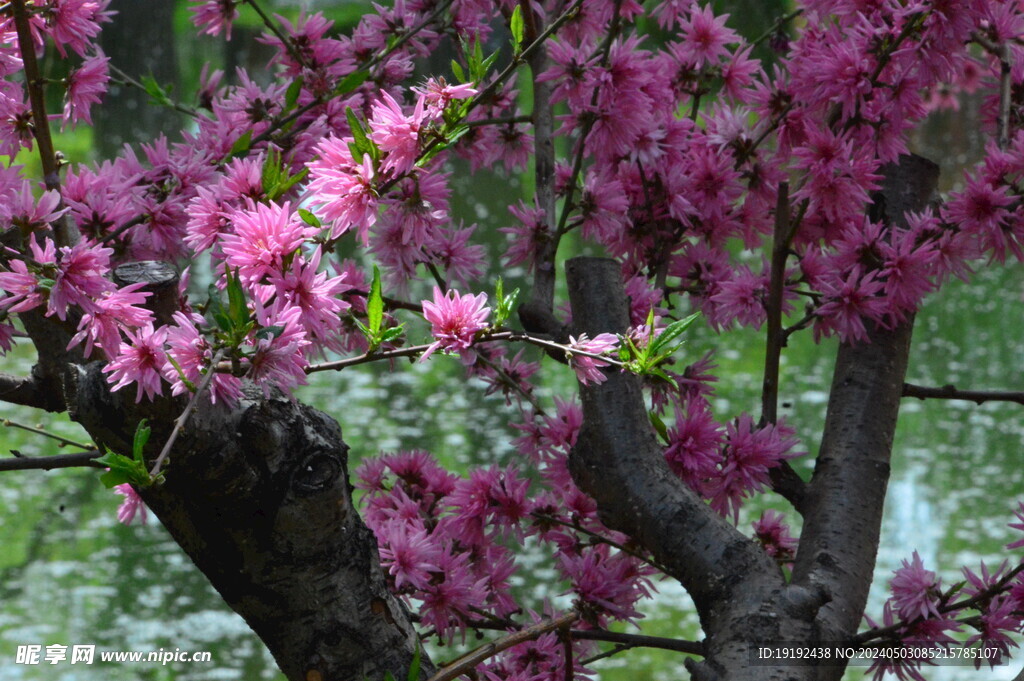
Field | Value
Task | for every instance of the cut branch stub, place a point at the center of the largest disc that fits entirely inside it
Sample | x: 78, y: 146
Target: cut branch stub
x: 161, y: 281
x: 259, y: 498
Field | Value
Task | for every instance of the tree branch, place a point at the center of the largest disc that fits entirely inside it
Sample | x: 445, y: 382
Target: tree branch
x: 951, y: 392
x: 617, y: 460
x: 65, y: 233
x: 845, y: 498
x: 46, y: 463
x: 639, y: 640
x: 29, y: 392
x: 468, y: 662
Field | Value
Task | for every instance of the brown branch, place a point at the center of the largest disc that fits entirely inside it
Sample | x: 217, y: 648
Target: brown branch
x: 28, y: 392
x: 846, y: 495
x: 182, y: 420
x: 639, y: 640
x: 951, y: 392
x: 1005, y: 96
x: 46, y: 463
x: 468, y: 662
x: 8, y: 423
x: 784, y: 479
x: 65, y: 233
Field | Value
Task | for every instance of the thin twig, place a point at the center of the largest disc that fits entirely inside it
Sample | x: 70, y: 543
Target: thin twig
x: 45, y: 433
x: 639, y: 640
x: 1005, y: 96
x: 286, y: 42
x: 773, y: 308
x: 779, y: 23
x: 182, y: 420
x: 125, y: 79
x: 470, y: 660
x: 46, y: 463
x: 601, y: 538
x: 951, y: 392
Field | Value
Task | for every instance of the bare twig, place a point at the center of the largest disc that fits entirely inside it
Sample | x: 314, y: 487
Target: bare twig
x: 1005, y: 96
x: 46, y: 463
x: 470, y: 660
x: 639, y: 641
x: 951, y: 392
x: 45, y: 433
x: 179, y: 423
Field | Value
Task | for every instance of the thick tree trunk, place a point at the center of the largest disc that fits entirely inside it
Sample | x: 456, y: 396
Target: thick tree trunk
x: 741, y: 596
x: 259, y: 498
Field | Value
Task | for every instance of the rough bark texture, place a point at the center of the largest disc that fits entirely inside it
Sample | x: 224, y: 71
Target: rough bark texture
x: 741, y: 597
x: 843, y: 508
x: 740, y: 593
x: 259, y: 498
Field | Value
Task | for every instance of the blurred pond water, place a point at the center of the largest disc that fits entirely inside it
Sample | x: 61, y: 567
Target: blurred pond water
x: 70, y: 574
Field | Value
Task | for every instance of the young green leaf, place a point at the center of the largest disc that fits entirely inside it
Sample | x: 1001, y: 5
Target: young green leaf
x: 671, y: 332
x: 351, y: 82
x: 517, y: 28
x: 309, y: 218
x: 458, y: 72
x: 241, y: 144
x: 359, y: 139
x: 142, y: 432
x: 659, y: 426
x: 414, y: 667
x: 238, y: 311
x: 375, y: 305
x: 292, y: 94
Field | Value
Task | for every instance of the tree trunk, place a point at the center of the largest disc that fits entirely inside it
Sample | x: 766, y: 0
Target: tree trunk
x: 259, y: 497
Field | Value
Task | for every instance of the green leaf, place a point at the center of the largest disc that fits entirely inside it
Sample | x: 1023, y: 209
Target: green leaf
x: 351, y: 82
x: 375, y: 305
x: 488, y: 63
x: 292, y: 94
x: 181, y: 374
x: 517, y: 27
x: 671, y: 332
x: 46, y: 284
x: 271, y: 175
x: 157, y: 93
x: 142, y: 432
x: 269, y: 332
x: 655, y: 371
x: 659, y: 426
x: 122, y: 470
x: 241, y: 144
x: 238, y: 311
x: 309, y: 218
x: 414, y: 667
x: 215, y: 309
x: 504, y: 304
x: 392, y: 334
x: 359, y: 138
x: 458, y: 71
x: 113, y: 478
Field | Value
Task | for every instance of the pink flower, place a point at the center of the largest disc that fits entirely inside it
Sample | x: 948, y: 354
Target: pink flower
x: 81, y: 277
x: 773, y: 533
x: 193, y: 355
x: 131, y: 505
x: 19, y: 288
x: 6, y: 338
x: 409, y: 554
x: 102, y: 325
x: 436, y: 95
x: 140, y: 361
x: 262, y: 239
x: 86, y: 85
x: 455, y: 320
x: 588, y: 368
x: 395, y: 133
x: 343, y: 189
x: 214, y: 16
x: 279, y: 360
x: 1018, y: 526
x: 915, y: 591
x: 704, y: 37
